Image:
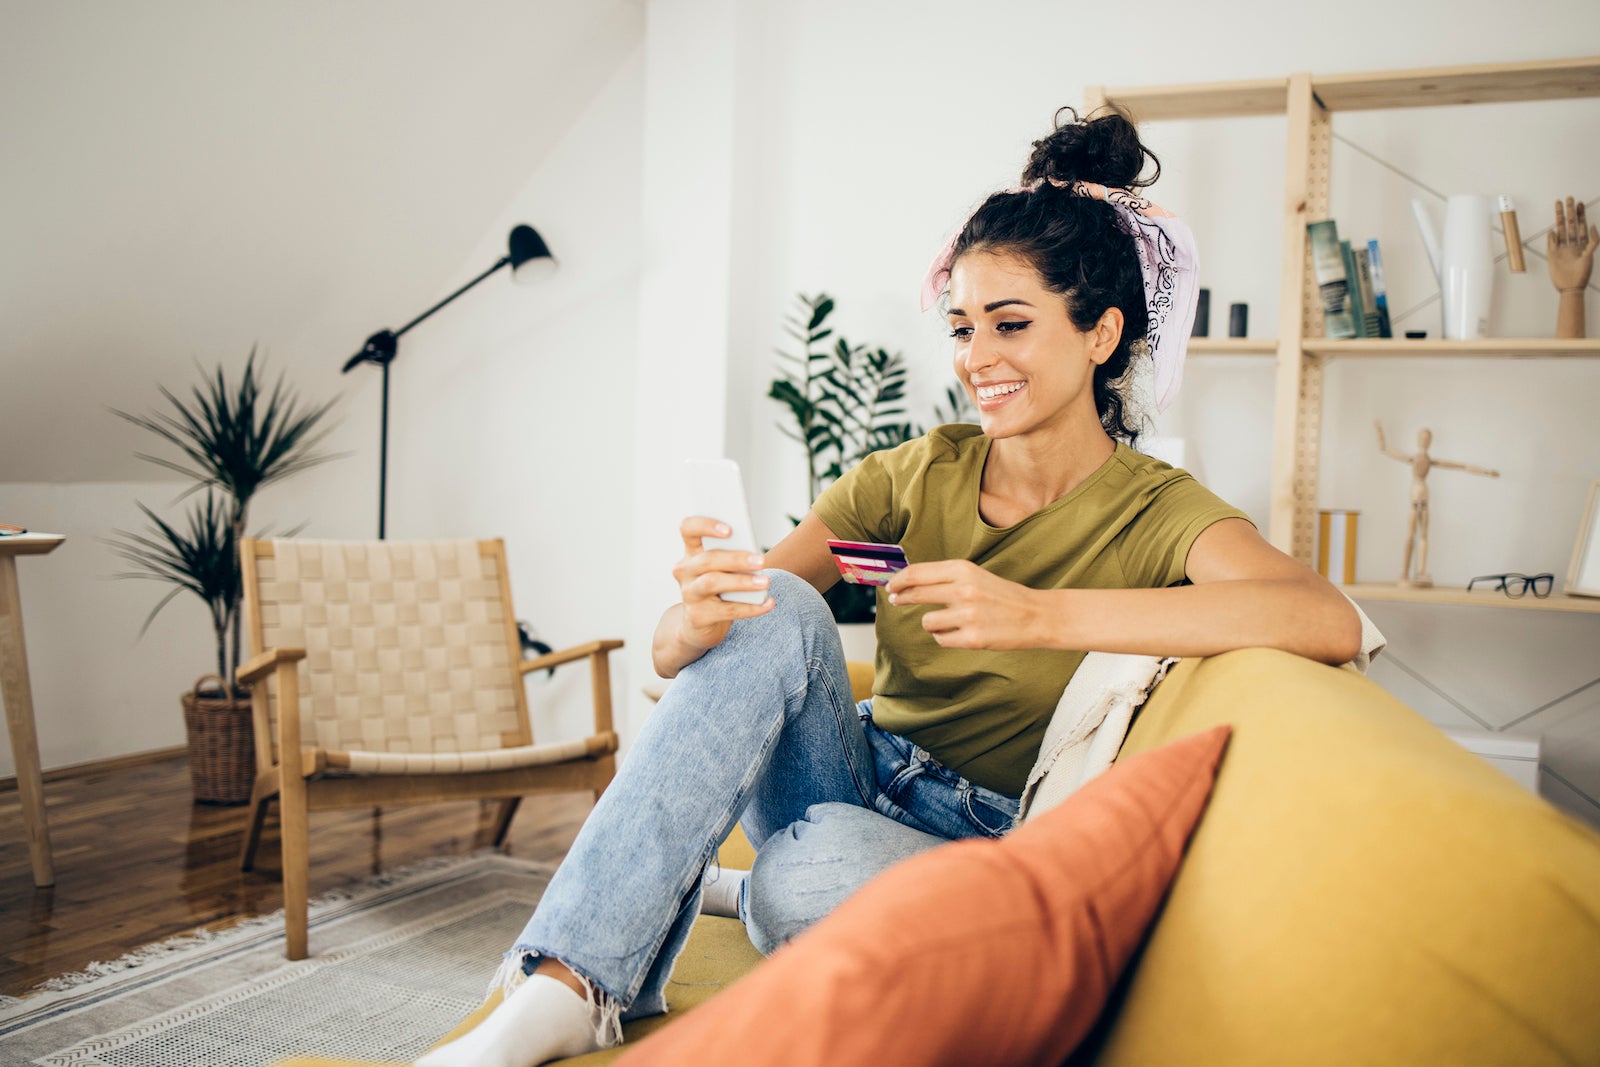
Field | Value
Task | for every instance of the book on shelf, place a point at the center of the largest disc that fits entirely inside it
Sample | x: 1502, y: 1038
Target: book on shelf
x: 1353, y: 272
x: 1333, y: 280
x: 1380, y: 293
x: 1371, y: 324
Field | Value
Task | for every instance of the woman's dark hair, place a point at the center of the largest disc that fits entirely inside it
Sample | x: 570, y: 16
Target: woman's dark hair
x: 1076, y: 243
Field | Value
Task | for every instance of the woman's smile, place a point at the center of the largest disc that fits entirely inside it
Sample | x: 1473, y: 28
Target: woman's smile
x: 994, y: 395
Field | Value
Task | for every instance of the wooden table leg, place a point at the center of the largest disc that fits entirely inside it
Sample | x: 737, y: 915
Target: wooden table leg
x: 18, y: 697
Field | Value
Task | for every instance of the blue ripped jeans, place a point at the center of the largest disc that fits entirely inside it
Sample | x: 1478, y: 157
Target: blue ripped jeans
x: 763, y: 730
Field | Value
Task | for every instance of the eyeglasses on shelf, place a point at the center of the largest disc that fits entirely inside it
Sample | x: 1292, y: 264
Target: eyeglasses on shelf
x: 1516, y: 585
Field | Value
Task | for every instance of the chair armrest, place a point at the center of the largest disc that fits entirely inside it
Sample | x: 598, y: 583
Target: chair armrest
x: 566, y: 655
x: 291, y: 761
x: 257, y: 667
x: 597, y: 653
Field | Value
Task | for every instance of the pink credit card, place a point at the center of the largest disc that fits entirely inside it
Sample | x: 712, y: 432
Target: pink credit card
x: 867, y: 563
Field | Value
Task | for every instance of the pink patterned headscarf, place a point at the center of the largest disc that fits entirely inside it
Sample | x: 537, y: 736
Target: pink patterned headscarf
x: 1168, y: 262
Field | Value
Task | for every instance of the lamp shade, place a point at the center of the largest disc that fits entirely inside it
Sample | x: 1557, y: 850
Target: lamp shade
x: 530, y: 256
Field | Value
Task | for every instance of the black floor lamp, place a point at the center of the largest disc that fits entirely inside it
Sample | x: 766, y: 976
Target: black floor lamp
x: 529, y: 259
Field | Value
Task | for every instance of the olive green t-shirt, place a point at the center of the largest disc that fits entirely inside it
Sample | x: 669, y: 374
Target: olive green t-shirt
x: 983, y: 713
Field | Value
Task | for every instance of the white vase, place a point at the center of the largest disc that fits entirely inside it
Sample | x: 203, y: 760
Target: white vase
x: 1463, y: 263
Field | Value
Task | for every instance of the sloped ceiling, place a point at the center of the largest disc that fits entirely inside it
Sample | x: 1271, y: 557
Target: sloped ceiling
x: 181, y: 179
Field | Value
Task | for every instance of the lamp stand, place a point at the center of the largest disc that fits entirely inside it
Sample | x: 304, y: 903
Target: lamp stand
x: 381, y: 348
x: 526, y: 252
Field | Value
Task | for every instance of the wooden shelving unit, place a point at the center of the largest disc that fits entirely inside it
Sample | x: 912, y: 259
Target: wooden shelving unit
x: 1494, y: 83
x: 1477, y: 598
x: 1306, y: 102
x: 1489, y: 348
x: 1232, y: 346
x: 1213, y: 100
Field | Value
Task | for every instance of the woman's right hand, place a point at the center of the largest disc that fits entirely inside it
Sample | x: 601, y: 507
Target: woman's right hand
x: 705, y: 573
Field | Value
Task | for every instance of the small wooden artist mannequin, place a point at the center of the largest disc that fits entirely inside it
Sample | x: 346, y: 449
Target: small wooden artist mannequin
x: 1417, y: 528
x: 1570, y: 247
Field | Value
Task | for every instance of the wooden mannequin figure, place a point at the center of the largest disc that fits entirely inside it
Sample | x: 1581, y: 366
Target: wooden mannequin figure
x: 1417, y: 528
x: 1571, y: 246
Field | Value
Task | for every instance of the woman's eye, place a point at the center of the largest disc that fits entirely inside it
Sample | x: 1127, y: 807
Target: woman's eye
x: 1013, y: 327
x: 961, y: 333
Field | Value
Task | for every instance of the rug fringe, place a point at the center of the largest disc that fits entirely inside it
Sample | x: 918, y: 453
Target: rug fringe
x: 139, y: 957
x: 179, y: 943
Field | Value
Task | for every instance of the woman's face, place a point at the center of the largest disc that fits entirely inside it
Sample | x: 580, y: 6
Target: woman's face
x: 1017, y: 353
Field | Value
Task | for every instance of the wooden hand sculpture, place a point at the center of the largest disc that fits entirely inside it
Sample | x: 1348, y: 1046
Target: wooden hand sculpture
x: 1570, y: 246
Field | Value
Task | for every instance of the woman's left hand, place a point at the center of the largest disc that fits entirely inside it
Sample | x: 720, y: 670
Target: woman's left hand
x: 971, y: 607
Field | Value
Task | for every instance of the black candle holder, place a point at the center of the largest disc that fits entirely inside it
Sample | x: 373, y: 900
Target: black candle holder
x: 1238, y: 320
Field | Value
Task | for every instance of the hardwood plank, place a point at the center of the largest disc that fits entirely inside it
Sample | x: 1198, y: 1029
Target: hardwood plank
x: 138, y: 861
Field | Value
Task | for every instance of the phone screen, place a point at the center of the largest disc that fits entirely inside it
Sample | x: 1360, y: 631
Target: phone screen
x: 715, y: 489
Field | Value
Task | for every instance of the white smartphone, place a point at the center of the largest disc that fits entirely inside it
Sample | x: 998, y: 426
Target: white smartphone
x: 715, y: 489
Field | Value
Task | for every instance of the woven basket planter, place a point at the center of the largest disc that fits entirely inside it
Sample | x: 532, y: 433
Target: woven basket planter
x: 222, y: 745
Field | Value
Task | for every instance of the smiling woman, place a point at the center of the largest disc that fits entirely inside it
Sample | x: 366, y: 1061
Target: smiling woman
x: 1034, y: 538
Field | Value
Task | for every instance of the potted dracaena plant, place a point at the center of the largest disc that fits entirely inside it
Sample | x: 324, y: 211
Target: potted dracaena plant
x: 844, y: 402
x: 233, y: 438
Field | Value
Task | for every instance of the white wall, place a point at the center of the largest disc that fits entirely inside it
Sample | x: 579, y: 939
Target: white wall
x: 701, y: 190
x: 99, y: 689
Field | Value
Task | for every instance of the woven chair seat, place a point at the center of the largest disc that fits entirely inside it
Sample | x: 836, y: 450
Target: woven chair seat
x: 500, y: 759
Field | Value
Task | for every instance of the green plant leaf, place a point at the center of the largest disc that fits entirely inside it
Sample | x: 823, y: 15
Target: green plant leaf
x: 820, y: 310
x: 232, y: 439
x: 201, y: 559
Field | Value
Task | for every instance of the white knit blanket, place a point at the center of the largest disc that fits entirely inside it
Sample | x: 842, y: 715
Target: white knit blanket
x: 1092, y: 718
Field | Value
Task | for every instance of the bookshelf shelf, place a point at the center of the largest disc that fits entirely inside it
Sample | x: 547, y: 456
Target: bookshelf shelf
x: 1232, y: 346
x: 1558, y: 79
x: 1301, y: 353
x: 1214, y: 101
x: 1491, y: 348
x: 1476, y: 598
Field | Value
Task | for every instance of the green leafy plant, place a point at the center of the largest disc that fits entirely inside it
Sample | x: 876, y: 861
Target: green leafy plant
x: 200, y: 559
x: 846, y: 401
x: 233, y: 438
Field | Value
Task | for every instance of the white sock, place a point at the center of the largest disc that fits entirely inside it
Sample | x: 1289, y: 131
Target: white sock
x: 719, y: 892
x: 543, y: 1019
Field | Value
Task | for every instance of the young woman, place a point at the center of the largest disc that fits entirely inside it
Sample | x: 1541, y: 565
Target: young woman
x: 1034, y: 537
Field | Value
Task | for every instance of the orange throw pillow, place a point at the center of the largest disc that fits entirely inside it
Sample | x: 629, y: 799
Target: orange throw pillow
x: 992, y: 952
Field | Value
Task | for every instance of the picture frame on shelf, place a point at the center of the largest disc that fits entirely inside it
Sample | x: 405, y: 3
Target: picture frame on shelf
x: 1583, y: 577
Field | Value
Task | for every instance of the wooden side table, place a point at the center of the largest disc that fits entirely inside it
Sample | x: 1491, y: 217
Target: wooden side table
x: 18, y: 697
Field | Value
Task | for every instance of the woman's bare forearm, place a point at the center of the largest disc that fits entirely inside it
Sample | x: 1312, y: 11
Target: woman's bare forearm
x: 1305, y: 616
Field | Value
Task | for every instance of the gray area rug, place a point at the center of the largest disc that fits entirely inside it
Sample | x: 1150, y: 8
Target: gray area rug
x: 396, y: 964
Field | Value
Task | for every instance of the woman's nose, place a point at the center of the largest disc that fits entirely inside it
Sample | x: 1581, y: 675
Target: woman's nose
x: 980, y: 353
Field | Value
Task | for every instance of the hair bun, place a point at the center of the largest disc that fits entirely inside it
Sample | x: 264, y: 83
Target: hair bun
x: 1104, y: 148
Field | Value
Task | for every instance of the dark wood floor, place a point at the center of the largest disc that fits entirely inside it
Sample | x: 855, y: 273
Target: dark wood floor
x: 137, y: 861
